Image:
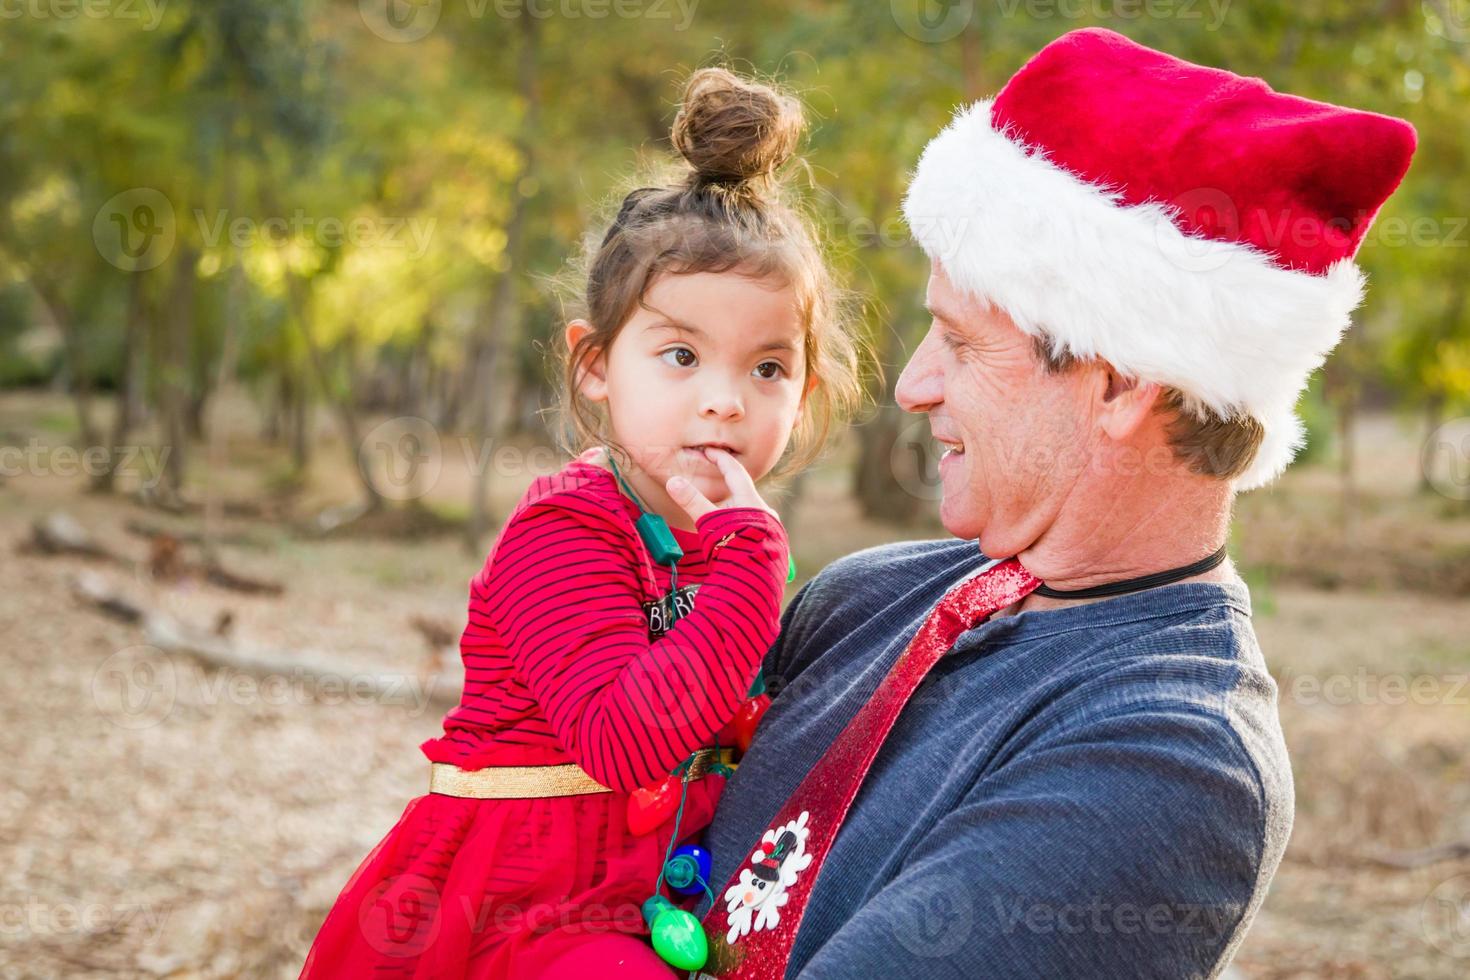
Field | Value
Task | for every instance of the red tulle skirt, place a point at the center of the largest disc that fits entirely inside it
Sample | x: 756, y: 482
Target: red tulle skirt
x: 502, y: 888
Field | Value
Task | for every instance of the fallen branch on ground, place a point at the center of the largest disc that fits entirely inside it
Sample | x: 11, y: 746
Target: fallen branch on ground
x: 217, y: 574
x: 59, y: 533
x: 220, y: 652
x: 1409, y: 860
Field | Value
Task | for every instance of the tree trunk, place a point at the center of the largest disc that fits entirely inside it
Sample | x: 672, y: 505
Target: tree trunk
x: 972, y: 61
x: 273, y: 414
x: 174, y: 364
x: 122, y: 421
x: 885, y: 492
x: 224, y: 376
x: 891, y: 480
x: 483, y: 428
x: 1340, y: 386
x: 880, y: 492
x: 76, y: 367
x: 342, y: 407
x: 457, y: 386
x: 1449, y: 327
x: 419, y: 372
x: 300, y: 421
x: 195, y: 405
x: 502, y: 325
x: 1433, y: 414
x: 1347, y: 417
x: 201, y: 381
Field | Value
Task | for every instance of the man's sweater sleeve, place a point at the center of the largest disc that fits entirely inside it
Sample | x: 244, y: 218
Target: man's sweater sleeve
x: 774, y: 668
x: 1126, y: 845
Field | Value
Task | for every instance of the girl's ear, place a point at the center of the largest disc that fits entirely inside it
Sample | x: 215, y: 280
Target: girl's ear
x: 811, y: 384
x: 591, y: 374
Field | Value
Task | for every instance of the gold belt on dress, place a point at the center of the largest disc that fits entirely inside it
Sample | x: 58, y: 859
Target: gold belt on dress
x: 529, y: 782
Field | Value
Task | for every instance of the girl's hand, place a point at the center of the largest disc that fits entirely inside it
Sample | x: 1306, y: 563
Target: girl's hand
x: 742, y: 489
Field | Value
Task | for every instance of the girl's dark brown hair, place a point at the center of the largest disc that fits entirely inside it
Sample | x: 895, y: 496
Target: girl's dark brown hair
x: 727, y: 212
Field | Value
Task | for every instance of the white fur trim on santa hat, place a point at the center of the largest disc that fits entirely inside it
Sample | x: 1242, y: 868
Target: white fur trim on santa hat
x: 1066, y: 260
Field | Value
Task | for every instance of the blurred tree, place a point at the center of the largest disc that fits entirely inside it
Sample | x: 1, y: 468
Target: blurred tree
x: 376, y: 221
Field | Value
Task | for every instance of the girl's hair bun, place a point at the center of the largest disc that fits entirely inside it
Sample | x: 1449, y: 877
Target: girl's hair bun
x: 732, y: 130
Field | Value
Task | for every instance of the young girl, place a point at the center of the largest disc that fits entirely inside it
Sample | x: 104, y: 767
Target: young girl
x: 602, y: 667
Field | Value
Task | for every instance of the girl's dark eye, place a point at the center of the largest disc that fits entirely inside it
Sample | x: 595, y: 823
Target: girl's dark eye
x: 683, y: 356
x: 776, y: 370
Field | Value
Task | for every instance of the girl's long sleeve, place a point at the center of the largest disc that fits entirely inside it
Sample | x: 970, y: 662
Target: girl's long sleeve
x: 565, y: 590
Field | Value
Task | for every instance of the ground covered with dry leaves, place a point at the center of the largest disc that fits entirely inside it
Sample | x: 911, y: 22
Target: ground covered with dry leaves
x: 163, y: 819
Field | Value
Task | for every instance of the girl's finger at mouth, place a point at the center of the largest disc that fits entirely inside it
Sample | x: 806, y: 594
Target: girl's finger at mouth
x: 723, y: 460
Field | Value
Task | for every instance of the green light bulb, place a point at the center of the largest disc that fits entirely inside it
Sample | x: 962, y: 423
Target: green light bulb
x: 679, y: 939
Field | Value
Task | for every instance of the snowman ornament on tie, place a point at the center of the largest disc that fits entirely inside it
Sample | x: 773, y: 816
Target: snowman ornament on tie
x: 754, y: 901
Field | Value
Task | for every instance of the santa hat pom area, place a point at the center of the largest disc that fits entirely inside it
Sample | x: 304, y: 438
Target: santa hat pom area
x: 1189, y: 226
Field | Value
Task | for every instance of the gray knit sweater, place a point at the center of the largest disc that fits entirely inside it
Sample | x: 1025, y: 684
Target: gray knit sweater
x: 1100, y: 791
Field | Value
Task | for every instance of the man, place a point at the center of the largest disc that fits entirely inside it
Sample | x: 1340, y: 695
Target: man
x: 1137, y: 262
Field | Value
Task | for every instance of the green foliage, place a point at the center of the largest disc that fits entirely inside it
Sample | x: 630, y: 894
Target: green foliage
x: 333, y: 188
x: 1317, y: 420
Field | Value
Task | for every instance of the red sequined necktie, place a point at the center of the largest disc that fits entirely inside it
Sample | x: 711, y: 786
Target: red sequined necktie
x: 753, y: 922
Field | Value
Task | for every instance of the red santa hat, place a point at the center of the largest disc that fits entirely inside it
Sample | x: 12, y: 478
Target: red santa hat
x: 1187, y: 225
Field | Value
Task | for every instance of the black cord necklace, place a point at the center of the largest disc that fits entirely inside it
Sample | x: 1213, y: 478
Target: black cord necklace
x: 1136, y: 584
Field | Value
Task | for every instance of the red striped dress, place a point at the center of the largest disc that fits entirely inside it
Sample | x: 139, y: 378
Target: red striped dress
x: 561, y: 666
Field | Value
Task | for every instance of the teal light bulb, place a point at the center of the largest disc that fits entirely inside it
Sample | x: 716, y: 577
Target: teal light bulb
x: 652, y: 907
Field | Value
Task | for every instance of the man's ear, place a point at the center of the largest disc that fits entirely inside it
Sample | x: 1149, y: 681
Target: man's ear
x: 591, y: 374
x: 1122, y: 403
